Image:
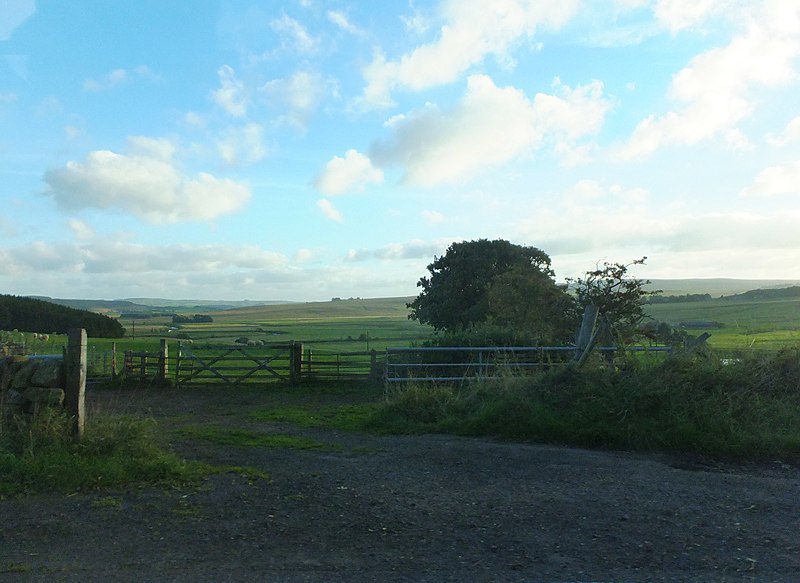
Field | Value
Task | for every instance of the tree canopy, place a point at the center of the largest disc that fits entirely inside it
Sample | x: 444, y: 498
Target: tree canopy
x: 457, y: 295
x: 33, y: 315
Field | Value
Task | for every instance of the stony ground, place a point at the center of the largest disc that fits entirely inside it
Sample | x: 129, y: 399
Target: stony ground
x: 418, y: 508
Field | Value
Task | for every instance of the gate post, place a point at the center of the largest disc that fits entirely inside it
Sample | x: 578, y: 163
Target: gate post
x: 163, y: 367
x: 295, y: 362
x: 75, y: 380
x: 113, y: 361
x: 374, y: 373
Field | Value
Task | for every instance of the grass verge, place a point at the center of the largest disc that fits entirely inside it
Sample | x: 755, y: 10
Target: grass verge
x: 745, y: 410
x: 245, y: 438
x: 39, y: 456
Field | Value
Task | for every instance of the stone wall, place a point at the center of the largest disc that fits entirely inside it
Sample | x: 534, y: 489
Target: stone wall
x: 27, y: 382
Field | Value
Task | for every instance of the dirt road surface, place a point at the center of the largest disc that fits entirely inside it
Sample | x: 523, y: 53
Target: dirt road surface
x: 425, y: 508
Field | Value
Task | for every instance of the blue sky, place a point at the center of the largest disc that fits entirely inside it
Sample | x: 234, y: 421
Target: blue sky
x: 306, y: 149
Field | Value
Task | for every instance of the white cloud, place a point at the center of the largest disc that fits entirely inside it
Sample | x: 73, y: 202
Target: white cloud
x: 329, y: 210
x: 146, y: 183
x: 473, y: 29
x: 118, y: 77
x: 490, y: 126
x: 301, y: 94
x: 791, y: 133
x: 303, y: 255
x: 7, y: 97
x: 776, y: 180
x: 714, y: 89
x: 195, y: 119
x: 13, y: 14
x: 627, y: 222
x: 678, y: 15
x: 243, y: 145
x: 104, y: 256
x: 80, y: 230
x: 231, y: 95
x: 295, y: 37
x: 414, y: 249
x: 340, y: 20
x: 347, y: 175
x: 432, y: 217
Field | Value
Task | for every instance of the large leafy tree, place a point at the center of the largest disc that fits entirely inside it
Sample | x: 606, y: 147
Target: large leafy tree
x: 456, y: 294
x: 529, y: 303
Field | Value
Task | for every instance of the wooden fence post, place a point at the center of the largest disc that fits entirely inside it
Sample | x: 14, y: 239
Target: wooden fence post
x: 374, y: 373
x: 113, y: 361
x: 75, y: 380
x: 295, y: 361
x: 163, y: 367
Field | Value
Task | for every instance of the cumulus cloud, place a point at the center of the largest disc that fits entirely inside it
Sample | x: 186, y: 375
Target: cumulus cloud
x: 301, y: 94
x: 243, y: 145
x: 678, y: 15
x: 473, y: 29
x: 231, y: 94
x: 791, y: 133
x: 714, y: 88
x: 347, y: 175
x: 329, y: 210
x: 491, y: 125
x: 776, y: 180
x: 146, y: 183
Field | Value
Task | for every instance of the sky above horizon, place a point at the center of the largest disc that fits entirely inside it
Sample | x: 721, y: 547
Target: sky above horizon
x: 309, y: 149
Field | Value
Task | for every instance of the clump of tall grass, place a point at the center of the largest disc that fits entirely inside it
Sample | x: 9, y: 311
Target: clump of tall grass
x: 39, y: 454
x: 744, y: 409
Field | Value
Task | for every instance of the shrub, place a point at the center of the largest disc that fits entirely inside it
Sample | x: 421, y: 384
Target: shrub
x: 748, y: 409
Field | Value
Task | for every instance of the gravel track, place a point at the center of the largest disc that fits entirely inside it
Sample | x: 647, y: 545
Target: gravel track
x: 408, y: 508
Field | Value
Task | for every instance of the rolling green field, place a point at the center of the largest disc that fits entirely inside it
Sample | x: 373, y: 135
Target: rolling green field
x: 366, y: 324
x: 765, y: 324
x: 336, y: 326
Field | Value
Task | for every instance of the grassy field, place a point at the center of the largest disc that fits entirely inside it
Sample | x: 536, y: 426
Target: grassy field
x: 366, y: 324
x: 765, y: 324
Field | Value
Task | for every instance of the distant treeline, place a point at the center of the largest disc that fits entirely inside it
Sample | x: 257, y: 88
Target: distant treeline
x: 193, y: 319
x: 32, y: 315
x: 678, y: 299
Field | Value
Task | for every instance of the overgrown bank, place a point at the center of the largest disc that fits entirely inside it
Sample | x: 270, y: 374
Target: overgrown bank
x: 747, y: 409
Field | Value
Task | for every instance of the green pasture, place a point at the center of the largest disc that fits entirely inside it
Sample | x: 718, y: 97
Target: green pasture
x: 366, y: 324
x: 766, y: 324
x: 336, y: 326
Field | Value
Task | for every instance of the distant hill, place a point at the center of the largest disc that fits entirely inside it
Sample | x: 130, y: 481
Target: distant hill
x: 152, y: 306
x: 717, y: 287
x: 767, y: 294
